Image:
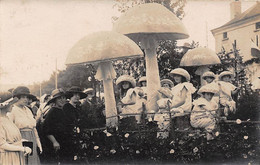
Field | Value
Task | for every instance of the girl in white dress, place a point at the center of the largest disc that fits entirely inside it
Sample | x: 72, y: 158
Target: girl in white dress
x: 181, y: 103
x: 226, y: 91
x: 132, y: 97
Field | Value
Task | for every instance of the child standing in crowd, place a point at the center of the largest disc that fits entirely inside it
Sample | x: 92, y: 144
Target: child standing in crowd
x: 204, y: 110
x: 182, y: 98
x: 226, y: 91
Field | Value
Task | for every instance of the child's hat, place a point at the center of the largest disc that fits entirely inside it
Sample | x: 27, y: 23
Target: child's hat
x: 126, y: 78
x: 167, y: 81
x: 208, y: 74
x: 209, y: 88
x: 225, y: 73
x: 181, y: 72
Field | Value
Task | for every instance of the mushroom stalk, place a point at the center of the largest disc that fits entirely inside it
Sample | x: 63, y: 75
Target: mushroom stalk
x: 107, y: 73
x: 153, y: 79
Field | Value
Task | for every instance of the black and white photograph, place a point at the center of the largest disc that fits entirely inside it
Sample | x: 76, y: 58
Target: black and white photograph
x: 129, y: 82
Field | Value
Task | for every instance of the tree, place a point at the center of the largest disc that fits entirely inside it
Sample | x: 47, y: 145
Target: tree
x: 176, y: 6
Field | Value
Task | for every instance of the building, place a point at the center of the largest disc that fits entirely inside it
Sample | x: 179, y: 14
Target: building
x: 244, y: 30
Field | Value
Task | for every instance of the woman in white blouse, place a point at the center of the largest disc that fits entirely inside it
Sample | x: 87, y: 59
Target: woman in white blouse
x: 23, y: 119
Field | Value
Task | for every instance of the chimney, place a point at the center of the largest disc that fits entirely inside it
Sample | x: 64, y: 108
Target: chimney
x: 235, y: 9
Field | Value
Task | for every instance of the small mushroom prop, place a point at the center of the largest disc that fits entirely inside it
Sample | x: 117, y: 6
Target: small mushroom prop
x: 202, y: 57
x: 100, y: 48
x: 147, y: 24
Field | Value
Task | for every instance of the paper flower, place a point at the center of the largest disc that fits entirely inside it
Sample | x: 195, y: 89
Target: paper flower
x: 217, y: 133
x: 126, y: 135
x: 172, y: 151
x: 113, y: 151
x: 96, y: 147
x: 195, y: 149
x: 238, y: 121
x: 245, y: 137
x: 137, y: 152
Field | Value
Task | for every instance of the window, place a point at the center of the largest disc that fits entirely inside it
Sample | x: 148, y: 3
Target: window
x: 225, y: 35
x: 257, y: 26
x: 257, y: 40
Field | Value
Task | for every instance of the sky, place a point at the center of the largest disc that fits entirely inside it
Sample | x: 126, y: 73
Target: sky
x: 34, y: 33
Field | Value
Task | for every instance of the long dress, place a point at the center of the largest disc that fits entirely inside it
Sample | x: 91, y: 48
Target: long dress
x: 134, y: 103
x: 54, y: 124
x: 10, y: 134
x: 181, y: 121
x: 23, y: 119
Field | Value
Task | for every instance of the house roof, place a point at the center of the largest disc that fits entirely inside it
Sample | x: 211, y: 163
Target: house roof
x: 247, y: 15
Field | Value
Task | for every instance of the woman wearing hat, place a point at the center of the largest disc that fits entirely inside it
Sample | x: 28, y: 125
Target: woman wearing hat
x: 73, y: 115
x: 23, y: 119
x: 182, y: 97
x: 203, y: 114
x: 11, y: 148
x: 132, y: 100
x: 226, y: 91
x: 54, y: 126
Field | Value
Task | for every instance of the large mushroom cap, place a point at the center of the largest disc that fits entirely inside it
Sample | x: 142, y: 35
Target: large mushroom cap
x: 102, y: 46
x: 200, y: 56
x: 151, y: 18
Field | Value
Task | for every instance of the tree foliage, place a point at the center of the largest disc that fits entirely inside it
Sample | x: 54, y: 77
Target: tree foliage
x: 176, y: 6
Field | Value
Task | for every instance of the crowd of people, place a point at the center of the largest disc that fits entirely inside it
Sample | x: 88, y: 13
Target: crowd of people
x: 33, y: 133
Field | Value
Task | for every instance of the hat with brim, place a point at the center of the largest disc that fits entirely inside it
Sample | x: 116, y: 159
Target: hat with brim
x: 167, y: 81
x: 88, y: 91
x: 22, y: 91
x: 56, y: 93
x: 208, y: 74
x: 225, y: 73
x: 141, y: 79
x: 181, y: 72
x: 209, y: 88
x: 126, y: 78
x: 69, y: 93
x: 8, y: 103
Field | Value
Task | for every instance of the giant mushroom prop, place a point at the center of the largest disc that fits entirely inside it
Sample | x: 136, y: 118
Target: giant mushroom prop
x: 100, y: 48
x: 147, y: 24
x: 202, y: 57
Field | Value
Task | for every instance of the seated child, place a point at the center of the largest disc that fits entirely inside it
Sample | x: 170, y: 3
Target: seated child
x: 226, y: 91
x: 204, y: 110
x: 163, y: 115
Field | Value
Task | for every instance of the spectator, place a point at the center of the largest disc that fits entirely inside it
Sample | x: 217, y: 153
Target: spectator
x: 54, y: 128
x: 73, y: 115
x: 11, y: 148
x: 23, y: 119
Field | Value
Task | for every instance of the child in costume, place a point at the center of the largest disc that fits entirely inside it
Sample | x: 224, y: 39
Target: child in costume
x: 203, y: 114
x: 226, y: 91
